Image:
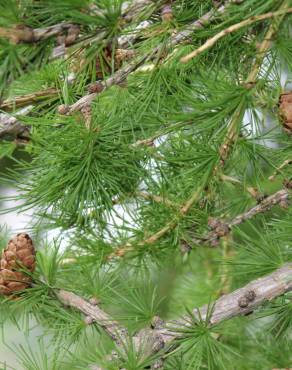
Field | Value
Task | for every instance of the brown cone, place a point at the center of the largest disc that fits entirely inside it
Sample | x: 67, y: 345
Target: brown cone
x: 19, y: 253
x: 286, y: 111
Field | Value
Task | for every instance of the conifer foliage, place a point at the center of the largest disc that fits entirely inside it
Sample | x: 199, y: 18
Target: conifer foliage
x: 155, y: 137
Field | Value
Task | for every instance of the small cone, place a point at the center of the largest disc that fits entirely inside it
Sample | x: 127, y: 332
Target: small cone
x: 286, y: 111
x: 19, y: 253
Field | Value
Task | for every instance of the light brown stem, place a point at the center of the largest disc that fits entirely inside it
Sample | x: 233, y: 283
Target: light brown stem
x: 279, y: 169
x: 23, y: 100
x: 224, y: 228
x: 112, y: 327
x: 235, y: 27
x: 156, y: 198
x: 124, y: 72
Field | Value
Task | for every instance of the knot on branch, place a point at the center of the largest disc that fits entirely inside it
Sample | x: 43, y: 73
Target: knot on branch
x: 287, y: 183
x: 246, y: 299
x: 157, y: 323
x: 220, y: 228
x: 96, y: 87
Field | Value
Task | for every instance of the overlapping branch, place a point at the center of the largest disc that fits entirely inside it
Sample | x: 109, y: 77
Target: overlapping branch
x: 224, y: 150
x: 240, y: 302
x: 124, y: 72
x: 121, y: 75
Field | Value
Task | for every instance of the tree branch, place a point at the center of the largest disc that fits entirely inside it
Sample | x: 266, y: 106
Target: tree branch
x: 279, y: 169
x: 235, y: 27
x: 242, y: 301
x: 230, y: 137
x: 23, y: 100
x: 238, y: 303
x: 156, y: 198
x: 11, y: 126
x: 118, y: 77
x: 222, y: 228
x: 112, y: 327
x: 23, y: 33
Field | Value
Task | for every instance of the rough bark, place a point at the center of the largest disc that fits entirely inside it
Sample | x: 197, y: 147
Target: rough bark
x: 222, y: 228
x: 238, y: 303
x: 10, y: 126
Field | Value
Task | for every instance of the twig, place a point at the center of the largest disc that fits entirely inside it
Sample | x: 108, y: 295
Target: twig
x: 252, y: 191
x: 238, y: 303
x: 26, y: 34
x: 224, y: 150
x: 22, y: 100
x: 118, y: 77
x: 156, y: 198
x: 112, y: 327
x: 11, y: 126
x: 235, y: 27
x: 279, y: 169
x: 222, y: 228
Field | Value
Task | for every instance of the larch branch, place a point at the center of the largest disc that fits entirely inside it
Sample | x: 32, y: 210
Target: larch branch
x: 23, y: 100
x: 223, y: 228
x: 11, y: 126
x: 241, y: 302
x: 120, y: 76
x: 237, y: 303
x: 235, y: 27
x: 230, y: 138
x: 112, y: 327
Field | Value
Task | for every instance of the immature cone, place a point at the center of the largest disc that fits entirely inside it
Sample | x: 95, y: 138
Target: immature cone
x: 286, y: 111
x: 19, y: 254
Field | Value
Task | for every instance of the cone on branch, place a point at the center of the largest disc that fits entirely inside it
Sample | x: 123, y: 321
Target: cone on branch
x: 19, y: 254
x: 285, y: 105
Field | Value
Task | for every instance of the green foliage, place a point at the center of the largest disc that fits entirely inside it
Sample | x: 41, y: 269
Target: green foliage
x: 141, y: 177
x: 200, y: 344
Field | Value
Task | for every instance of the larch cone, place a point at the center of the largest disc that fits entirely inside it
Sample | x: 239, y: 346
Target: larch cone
x: 286, y: 110
x: 19, y: 254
